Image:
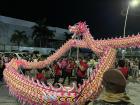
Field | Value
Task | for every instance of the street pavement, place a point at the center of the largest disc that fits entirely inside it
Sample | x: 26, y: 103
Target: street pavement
x: 5, y: 98
x: 133, y: 90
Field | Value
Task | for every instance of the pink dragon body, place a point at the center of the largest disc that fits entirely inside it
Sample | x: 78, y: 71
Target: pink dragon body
x: 35, y: 93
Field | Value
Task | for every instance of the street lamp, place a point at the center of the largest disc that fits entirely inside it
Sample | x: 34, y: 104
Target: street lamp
x: 133, y: 3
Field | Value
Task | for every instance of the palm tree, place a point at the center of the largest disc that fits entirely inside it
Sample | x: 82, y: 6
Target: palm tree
x: 18, y: 37
x: 41, y: 34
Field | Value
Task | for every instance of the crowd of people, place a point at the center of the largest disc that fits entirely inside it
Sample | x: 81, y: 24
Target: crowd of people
x: 65, y: 68
x: 62, y: 68
x: 129, y: 67
x: 79, y: 70
x: 71, y: 67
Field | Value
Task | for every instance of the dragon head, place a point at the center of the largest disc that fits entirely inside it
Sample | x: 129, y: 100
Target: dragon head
x: 79, y: 28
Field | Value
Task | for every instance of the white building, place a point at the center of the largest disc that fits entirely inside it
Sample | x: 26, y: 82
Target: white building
x: 8, y: 25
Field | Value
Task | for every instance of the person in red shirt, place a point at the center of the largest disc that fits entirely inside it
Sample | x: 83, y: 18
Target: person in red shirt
x: 63, y: 65
x: 40, y: 75
x: 81, y: 71
x: 70, y: 66
x: 57, y: 71
x: 123, y: 68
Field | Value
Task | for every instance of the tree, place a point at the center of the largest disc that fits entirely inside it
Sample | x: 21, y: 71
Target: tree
x: 41, y: 34
x: 18, y: 37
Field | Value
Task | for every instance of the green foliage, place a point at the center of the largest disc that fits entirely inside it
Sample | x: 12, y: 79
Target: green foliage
x: 41, y: 34
x: 18, y: 37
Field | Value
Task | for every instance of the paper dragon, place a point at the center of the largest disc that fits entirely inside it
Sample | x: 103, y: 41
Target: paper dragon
x: 26, y: 90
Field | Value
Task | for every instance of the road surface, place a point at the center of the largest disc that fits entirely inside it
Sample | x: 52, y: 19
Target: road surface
x: 133, y: 90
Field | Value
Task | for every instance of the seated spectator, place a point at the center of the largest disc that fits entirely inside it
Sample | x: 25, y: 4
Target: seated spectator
x: 114, y: 93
